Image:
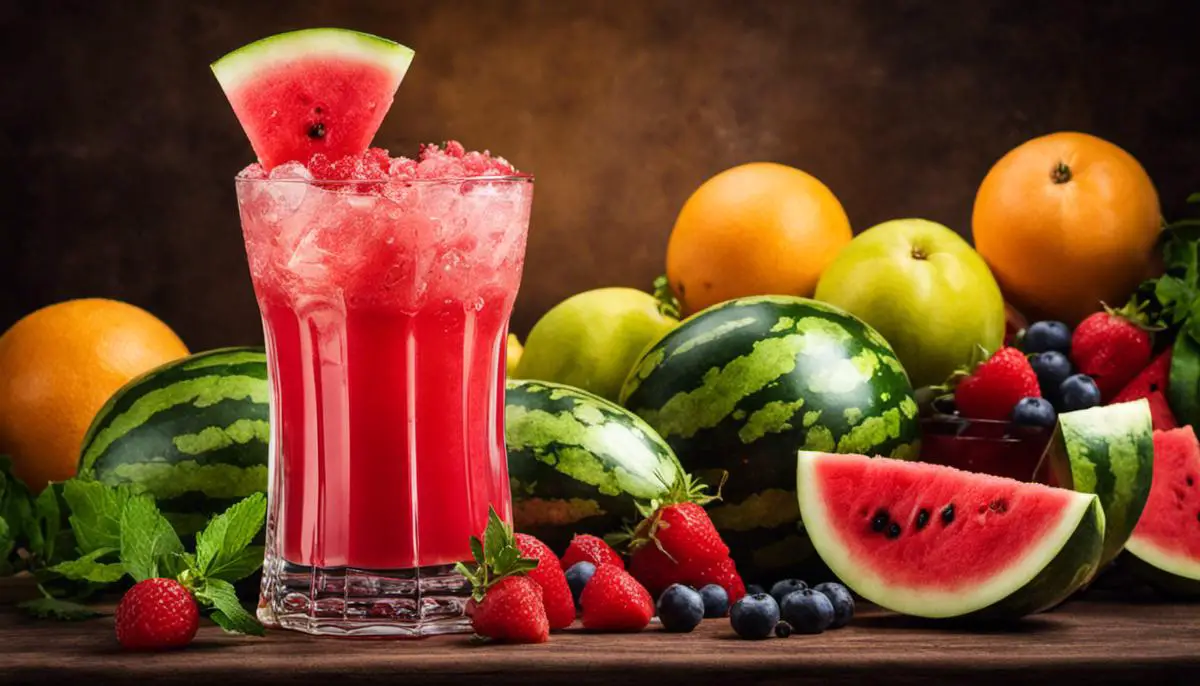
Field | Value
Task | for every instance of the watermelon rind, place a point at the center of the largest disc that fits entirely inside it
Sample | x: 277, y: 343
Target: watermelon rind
x: 578, y: 463
x: 739, y: 387
x: 1174, y: 575
x: 1111, y: 454
x: 1060, y: 563
x: 194, y: 433
x: 243, y: 63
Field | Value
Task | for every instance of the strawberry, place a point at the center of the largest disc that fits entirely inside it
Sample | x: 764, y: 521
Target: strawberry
x: 723, y: 574
x: 614, y: 601
x: 512, y: 611
x: 556, y: 595
x: 1112, y: 347
x: 589, y: 548
x: 156, y: 614
x: 992, y: 389
x: 505, y: 605
x: 677, y: 542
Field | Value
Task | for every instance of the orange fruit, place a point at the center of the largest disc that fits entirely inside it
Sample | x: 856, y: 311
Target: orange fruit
x: 755, y: 229
x: 58, y: 366
x: 1066, y: 221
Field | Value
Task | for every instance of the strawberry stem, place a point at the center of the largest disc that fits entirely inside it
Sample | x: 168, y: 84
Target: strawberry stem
x: 497, y: 556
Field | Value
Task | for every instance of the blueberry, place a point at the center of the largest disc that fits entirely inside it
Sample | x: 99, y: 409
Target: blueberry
x: 1041, y: 337
x: 716, y: 600
x: 754, y: 616
x: 754, y: 589
x: 781, y: 589
x: 1078, y: 392
x: 843, y: 603
x: 578, y: 576
x: 1034, y: 412
x: 680, y: 608
x: 783, y: 630
x: 1052, y: 368
x: 807, y: 611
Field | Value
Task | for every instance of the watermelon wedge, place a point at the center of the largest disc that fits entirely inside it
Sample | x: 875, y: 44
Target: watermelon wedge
x: 312, y: 91
x: 933, y: 541
x: 1152, y: 384
x: 1165, y: 546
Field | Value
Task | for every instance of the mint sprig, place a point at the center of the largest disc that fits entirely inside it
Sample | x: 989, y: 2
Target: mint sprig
x: 497, y: 556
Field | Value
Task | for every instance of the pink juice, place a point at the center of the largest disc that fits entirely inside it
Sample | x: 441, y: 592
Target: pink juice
x: 385, y: 297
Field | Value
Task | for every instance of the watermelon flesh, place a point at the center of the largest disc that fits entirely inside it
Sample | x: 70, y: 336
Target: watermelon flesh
x: 312, y: 91
x: 1167, y: 536
x: 933, y: 541
x: 1152, y: 384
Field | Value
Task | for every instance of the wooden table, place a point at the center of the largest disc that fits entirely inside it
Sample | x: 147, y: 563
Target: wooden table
x: 1085, y: 642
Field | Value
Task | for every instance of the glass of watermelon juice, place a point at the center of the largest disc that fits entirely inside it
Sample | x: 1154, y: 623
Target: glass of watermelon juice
x: 385, y: 287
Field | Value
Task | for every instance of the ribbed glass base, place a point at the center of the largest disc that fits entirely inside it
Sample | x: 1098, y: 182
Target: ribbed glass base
x: 343, y: 601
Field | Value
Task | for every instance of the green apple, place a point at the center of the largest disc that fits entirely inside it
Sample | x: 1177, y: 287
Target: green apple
x: 592, y: 339
x: 925, y: 289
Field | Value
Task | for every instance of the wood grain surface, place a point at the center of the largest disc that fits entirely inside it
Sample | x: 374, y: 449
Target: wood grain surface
x: 1084, y: 642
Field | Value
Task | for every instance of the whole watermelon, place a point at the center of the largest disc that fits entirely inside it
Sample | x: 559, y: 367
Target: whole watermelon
x: 742, y: 386
x: 578, y: 463
x: 193, y: 433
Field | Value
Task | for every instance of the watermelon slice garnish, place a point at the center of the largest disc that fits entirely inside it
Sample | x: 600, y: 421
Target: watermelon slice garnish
x: 933, y: 541
x: 312, y: 91
x: 1166, y: 541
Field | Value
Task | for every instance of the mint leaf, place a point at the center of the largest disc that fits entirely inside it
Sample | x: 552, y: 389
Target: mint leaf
x: 239, y: 565
x: 95, y: 513
x: 54, y: 608
x: 7, y: 543
x: 150, y: 548
x: 220, y: 545
x: 49, y: 522
x: 16, y: 506
x: 227, y: 609
x: 89, y: 568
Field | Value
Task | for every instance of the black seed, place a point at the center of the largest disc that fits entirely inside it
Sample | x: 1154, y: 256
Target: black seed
x: 1198, y: 516
x: 1190, y: 482
x: 317, y: 110
x: 922, y: 518
x: 893, y: 530
x: 948, y: 514
x: 999, y: 505
x: 880, y: 522
x: 316, y: 130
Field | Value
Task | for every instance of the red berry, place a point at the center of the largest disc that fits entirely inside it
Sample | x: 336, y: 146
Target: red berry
x: 589, y: 548
x: 556, y: 594
x: 512, y: 611
x: 614, y: 601
x: 675, y: 545
x: 723, y: 574
x: 1112, y: 347
x: 157, y: 614
x: 996, y: 385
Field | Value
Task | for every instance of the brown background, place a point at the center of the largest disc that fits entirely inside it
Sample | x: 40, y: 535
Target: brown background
x: 119, y: 148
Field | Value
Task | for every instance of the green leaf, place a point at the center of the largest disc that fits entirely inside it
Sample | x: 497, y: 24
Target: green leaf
x: 95, y: 513
x: 54, y: 608
x: 496, y: 537
x: 49, y: 518
x: 1183, y: 390
x: 89, y: 568
x: 227, y: 609
x: 228, y: 534
x: 17, y: 506
x: 150, y: 548
x: 239, y: 565
x: 7, y: 543
x: 1194, y: 197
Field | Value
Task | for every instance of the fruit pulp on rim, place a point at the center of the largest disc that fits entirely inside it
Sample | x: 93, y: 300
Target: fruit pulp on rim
x: 385, y: 300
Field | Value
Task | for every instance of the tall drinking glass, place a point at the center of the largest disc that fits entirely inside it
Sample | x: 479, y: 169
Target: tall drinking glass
x: 385, y: 308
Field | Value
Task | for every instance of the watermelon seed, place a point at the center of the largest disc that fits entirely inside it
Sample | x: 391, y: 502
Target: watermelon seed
x: 316, y: 130
x: 948, y: 514
x: 999, y: 505
x: 922, y: 518
x: 893, y: 530
x: 1190, y: 482
x: 880, y: 522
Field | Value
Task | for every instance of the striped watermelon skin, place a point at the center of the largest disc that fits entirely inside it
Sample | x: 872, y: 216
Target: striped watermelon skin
x: 1111, y: 453
x: 194, y: 433
x: 578, y: 463
x: 744, y: 385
